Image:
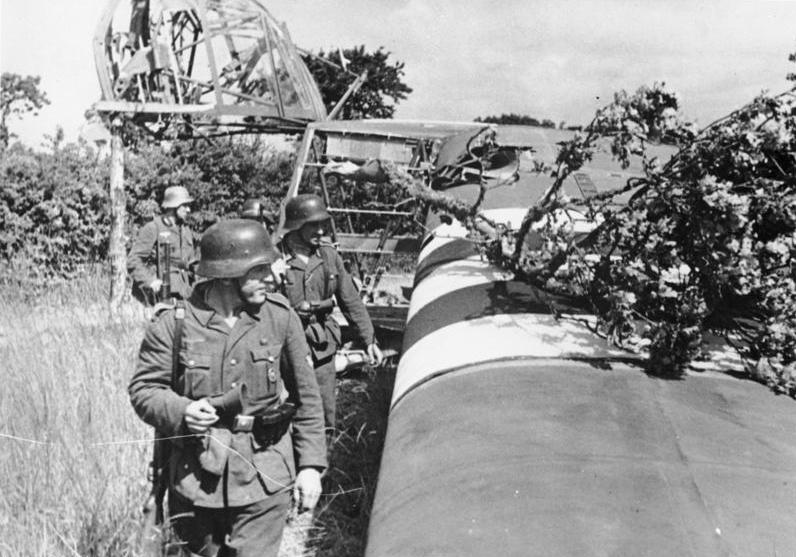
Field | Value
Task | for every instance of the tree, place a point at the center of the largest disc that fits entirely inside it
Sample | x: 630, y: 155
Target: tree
x: 384, y: 81
x: 517, y: 119
x: 706, y: 242
x: 18, y: 96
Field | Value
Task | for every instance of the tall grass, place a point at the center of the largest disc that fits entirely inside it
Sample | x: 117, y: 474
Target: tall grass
x: 65, y: 366
x: 343, y: 515
x: 69, y: 487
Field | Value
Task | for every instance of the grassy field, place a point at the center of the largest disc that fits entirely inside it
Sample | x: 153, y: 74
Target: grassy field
x: 71, y: 488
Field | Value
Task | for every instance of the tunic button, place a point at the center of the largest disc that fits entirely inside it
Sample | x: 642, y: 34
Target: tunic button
x: 233, y: 384
x: 233, y: 361
x: 191, y: 363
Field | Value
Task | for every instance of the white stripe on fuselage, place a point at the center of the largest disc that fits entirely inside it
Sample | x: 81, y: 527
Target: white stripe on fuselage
x: 443, y: 234
x: 502, y: 336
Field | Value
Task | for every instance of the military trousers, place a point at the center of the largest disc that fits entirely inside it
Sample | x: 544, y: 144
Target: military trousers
x: 250, y: 531
x: 326, y: 376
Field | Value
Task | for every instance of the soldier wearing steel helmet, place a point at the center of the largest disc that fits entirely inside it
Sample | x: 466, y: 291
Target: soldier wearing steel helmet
x: 314, y: 279
x: 245, y: 390
x: 254, y: 209
x: 169, y: 226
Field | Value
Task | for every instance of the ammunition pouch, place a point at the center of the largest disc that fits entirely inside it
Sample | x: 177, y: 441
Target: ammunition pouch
x: 267, y: 427
x: 323, y: 339
x: 271, y: 426
x: 316, y: 335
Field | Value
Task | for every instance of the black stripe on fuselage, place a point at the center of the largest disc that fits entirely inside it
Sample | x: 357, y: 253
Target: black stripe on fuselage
x: 454, y: 250
x: 481, y: 300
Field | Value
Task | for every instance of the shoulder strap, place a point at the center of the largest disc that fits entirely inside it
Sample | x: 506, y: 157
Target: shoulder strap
x: 179, y: 319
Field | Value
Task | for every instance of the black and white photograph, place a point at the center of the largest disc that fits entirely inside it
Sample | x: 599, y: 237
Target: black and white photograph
x: 402, y: 278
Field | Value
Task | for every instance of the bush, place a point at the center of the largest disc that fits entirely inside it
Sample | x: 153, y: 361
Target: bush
x: 219, y: 175
x: 54, y: 207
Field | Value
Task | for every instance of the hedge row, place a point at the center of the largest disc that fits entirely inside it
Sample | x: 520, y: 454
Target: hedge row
x: 54, y: 209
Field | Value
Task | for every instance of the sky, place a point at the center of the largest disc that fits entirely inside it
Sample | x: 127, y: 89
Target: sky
x: 548, y: 59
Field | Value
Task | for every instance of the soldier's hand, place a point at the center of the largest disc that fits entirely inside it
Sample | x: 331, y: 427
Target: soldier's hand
x: 279, y: 270
x: 155, y: 285
x: 375, y: 355
x: 307, y: 489
x: 199, y: 416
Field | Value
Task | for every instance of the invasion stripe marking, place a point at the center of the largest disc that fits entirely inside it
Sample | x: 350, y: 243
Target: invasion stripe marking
x: 499, y: 337
x: 454, y: 276
x: 474, y: 302
x: 440, y: 235
x: 453, y: 250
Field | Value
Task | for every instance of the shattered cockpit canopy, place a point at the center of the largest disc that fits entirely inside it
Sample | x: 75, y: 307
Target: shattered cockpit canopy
x: 219, y: 65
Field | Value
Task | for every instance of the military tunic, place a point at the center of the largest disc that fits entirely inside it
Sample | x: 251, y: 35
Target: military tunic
x: 141, y: 261
x: 265, y: 351
x: 320, y: 278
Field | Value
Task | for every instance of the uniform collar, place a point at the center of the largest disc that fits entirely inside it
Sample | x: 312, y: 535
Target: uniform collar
x: 312, y: 263
x: 168, y: 220
x: 208, y: 317
x: 313, y: 260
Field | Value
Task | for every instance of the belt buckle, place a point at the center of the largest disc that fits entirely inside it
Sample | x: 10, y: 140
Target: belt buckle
x: 243, y: 423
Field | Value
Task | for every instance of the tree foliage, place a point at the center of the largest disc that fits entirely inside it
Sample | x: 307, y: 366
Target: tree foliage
x: 517, y: 119
x: 53, y: 210
x: 54, y: 206
x: 383, y: 89
x: 706, y: 242
x: 18, y: 96
x: 220, y: 176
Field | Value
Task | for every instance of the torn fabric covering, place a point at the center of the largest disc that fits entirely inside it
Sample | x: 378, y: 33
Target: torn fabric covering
x: 469, y: 156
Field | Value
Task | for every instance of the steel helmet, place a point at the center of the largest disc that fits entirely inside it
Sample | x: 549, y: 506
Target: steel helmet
x: 174, y: 196
x: 231, y: 247
x: 304, y: 208
x: 253, y: 209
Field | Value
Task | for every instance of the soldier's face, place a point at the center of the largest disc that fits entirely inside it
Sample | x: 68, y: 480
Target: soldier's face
x: 311, y: 233
x: 255, y: 284
x: 182, y: 212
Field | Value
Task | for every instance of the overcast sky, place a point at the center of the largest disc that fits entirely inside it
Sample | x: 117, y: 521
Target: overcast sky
x: 559, y: 60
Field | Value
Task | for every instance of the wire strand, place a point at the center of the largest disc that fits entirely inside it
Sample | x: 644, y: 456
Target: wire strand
x: 263, y: 475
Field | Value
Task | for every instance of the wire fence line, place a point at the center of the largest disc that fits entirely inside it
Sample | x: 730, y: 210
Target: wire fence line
x: 209, y: 436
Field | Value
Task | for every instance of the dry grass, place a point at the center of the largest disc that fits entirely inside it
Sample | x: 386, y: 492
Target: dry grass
x: 69, y: 490
x: 64, y: 386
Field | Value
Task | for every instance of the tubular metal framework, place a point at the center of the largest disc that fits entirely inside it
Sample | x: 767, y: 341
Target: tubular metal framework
x: 217, y: 65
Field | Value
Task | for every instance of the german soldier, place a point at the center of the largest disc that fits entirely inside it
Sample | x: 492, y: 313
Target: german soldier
x: 246, y: 391
x: 255, y: 210
x: 166, y: 232
x: 315, y: 277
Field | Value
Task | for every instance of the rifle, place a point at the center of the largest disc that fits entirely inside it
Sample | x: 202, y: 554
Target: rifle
x: 153, y: 535
x: 163, y: 267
